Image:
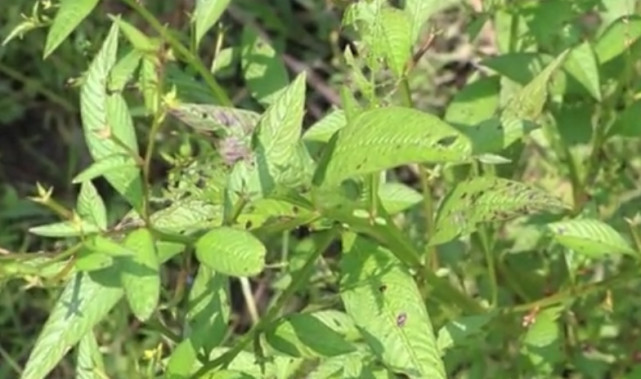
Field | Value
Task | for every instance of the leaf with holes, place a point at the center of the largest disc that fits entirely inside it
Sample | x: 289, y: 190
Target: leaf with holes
x: 263, y: 69
x: 590, y: 237
x: 527, y: 105
x: 231, y: 251
x: 304, y: 335
x: 215, y: 118
x: 139, y: 273
x: 384, y: 301
x: 106, y: 118
x: 89, y: 363
x: 90, y: 206
x: 384, y: 138
x: 207, y: 315
x: 85, y: 300
x: 69, y: 16
x: 484, y: 199
x: 206, y: 14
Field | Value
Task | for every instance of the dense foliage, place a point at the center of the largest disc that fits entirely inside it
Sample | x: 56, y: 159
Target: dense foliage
x: 323, y: 189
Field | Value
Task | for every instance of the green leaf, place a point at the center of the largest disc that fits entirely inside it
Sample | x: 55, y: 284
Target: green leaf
x: 208, y: 118
x: 69, y: 16
x: 108, y: 165
x: 140, y: 274
x: 90, y: 206
x: 65, y: 229
x: 396, y: 29
x: 457, y: 332
x: 89, y: 362
x: 484, y: 199
x: 206, y: 14
x: 627, y: 122
x: 396, y: 197
x: 475, y: 103
x: 582, y: 65
x: 324, y: 129
x: 262, y: 67
x: 187, y: 216
x: 618, y: 38
x: 542, y: 342
x: 590, y: 237
x: 123, y: 71
x: 528, y: 103
x: 137, y: 38
x: 105, y: 117
x: 231, y: 251
x: 374, y: 142
x: 304, y: 335
x: 384, y: 301
x: 88, y: 260
x: 421, y: 10
x: 86, y: 299
x: 277, y: 366
x: 148, y: 81
x: 208, y: 315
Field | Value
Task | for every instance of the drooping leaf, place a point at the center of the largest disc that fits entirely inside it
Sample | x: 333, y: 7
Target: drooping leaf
x: 208, y: 314
x: 69, y: 16
x: 206, y: 14
x: 375, y: 141
x: 396, y: 29
x: 231, y: 251
x: 263, y: 69
x: 484, y: 199
x: 106, y: 117
x: 63, y: 229
x: 140, y: 273
x: 90, y: 206
x: 303, y: 335
x: 86, y: 299
x: 590, y: 237
x: 384, y: 301
x: 89, y: 364
x: 582, y: 65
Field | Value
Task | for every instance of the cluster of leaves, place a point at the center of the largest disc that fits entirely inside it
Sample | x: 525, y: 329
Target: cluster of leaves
x: 502, y: 266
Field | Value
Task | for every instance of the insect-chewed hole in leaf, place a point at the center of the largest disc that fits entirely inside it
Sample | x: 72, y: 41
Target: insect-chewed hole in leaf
x: 382, y: 288
x: 248, y: 224
x: 295, y: 209
x: 401, y: 319
x: 446, y: 141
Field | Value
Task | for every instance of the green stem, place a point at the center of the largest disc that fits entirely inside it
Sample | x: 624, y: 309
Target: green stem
x: 575, y: 292
x: 189, y: 57
x: 484, y: 237
x: 298, y: 279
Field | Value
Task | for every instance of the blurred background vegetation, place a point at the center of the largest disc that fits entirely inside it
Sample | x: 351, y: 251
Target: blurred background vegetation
x: 41, y: 137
